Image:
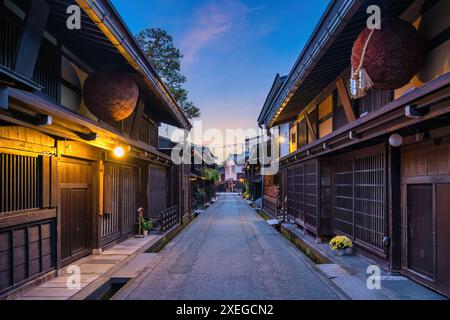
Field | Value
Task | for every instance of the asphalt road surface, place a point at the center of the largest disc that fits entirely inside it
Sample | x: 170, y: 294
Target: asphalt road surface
x: 230, y: 253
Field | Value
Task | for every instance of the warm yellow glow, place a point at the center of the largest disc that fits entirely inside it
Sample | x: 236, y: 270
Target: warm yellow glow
x: 119, y: 151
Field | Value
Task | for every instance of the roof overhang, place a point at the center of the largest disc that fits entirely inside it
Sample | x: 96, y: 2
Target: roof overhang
x: 108, y: 20
x: 70, y: 125
x: 104, y: 33
x: 326, y: 55
x: 276, y: 86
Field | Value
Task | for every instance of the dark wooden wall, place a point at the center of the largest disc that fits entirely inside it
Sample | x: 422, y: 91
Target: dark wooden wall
x: 156, y: 190
x: 26, y: 251
x: 426, y: 213
x: 27, y: 207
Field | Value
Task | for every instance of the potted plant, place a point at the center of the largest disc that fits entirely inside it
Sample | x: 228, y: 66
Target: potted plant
x: 341, y: 245
x: 146, y: 225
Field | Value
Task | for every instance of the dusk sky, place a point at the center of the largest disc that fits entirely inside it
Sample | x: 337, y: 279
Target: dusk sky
x: 232, y: 48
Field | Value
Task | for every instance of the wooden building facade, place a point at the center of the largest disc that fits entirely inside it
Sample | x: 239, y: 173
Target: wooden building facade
x: 374, y: 168
x: 64, y: 192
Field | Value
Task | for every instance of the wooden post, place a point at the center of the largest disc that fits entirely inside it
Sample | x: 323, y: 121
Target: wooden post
x: 137, y: 119
x: 46, y: 182
x: 30, y: 43
x: 4, y: 97
x: 343, y: 95
x: 54, y: 163
x: 101, y: 173
x: 394, y: 213
x: 312, y: 130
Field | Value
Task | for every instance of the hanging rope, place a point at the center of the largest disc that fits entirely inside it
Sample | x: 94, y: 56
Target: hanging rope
x: 360, y: 81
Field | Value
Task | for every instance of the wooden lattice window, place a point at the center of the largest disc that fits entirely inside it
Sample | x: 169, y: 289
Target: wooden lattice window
x: 120, y: 202
x: 10, y: 34
x: 369, y: 200
x: 302, y: 193
x: 311, y: 194
x: 343, y: 197
x: 359, y: 198
x: 299, y: 193
x: 20, y: 182
x: 291, y: 196
x: 47, y: 70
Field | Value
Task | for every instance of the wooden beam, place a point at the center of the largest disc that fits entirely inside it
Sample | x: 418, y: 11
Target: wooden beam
x: 58, y: 113
x: 137, y: 120
x: 343, y: 95
x: 76, y: 149
x: 54, y: 190
x: 312, y: 130
x: 4, y: 97
x: 25, y: 146
x: 30, y: 43
x: 26, y: 217
x: 46, y: 182
x: 101, y: 176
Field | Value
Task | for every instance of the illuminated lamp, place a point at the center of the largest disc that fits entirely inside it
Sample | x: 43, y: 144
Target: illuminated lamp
x: 395, y: 140
x: 119, y: 151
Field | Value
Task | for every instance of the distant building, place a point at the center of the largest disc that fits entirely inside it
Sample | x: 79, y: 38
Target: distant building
x: 234, y: 172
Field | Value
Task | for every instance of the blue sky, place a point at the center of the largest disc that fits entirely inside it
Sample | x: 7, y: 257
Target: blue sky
x: 232, y: 48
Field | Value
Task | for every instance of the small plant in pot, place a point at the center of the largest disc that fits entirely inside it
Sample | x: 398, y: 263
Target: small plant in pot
x: 146, y: 225
x: 341, y: 245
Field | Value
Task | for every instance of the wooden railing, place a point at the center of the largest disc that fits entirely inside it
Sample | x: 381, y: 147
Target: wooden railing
x: 271, y: 206
x: 169, y: 218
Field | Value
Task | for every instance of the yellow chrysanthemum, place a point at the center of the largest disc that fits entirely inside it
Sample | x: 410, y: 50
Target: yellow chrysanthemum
x: 340, y: 242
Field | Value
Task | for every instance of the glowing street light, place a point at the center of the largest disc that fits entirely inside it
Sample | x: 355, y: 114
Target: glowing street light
x: 119, y: 152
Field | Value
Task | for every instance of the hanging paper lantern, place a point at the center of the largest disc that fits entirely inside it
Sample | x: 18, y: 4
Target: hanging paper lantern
x: 385, y: 58
x: 110, y: 95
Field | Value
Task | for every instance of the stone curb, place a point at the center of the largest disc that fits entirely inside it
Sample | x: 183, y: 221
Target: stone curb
x: 155, y: 245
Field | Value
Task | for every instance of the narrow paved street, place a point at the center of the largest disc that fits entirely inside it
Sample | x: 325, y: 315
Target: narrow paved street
x: 229, y: 252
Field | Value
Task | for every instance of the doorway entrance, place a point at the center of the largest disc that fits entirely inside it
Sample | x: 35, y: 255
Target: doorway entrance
x: 426, y: 213
x: 74, y: 178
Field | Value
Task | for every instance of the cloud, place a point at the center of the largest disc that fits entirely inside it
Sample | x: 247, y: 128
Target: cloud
x: 211, y: 22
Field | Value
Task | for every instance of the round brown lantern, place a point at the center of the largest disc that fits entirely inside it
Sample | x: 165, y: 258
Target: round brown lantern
x: 110, y: 95
x: 385, y: 58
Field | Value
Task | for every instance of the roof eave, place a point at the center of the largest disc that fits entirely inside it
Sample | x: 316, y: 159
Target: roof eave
x: 332, y: 21
x: 106, y: 17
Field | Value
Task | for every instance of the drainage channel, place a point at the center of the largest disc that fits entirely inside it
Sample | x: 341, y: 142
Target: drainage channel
x: 107, y: 290
x: 306, y: 250
x: 111, y: 287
